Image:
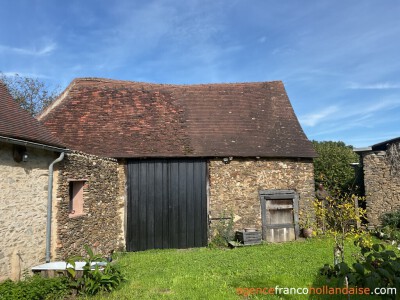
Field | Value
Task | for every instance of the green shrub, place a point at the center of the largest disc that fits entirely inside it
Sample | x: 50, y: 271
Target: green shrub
x: 389, y: 234
x: 223, y: 233
x: 100, y: 277
x: 376, y: 267
x: 34, y: 288
x: 391, y: 219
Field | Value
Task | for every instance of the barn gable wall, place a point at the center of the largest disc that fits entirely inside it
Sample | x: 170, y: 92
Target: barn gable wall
x: 234, y: 187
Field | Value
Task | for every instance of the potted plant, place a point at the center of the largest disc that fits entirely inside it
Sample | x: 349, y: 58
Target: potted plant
x: 306, y: 223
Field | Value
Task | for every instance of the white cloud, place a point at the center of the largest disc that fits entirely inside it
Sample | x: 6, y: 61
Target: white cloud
x: 380, y: 105
x: 353, y: 114
x: 355, y: 121
x: 316, y: 117
x: 374, y: 86
x: 46, y: 49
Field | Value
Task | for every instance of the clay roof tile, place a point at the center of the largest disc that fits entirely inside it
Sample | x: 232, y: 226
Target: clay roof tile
x: 134, y: 119
x: 17, y: 123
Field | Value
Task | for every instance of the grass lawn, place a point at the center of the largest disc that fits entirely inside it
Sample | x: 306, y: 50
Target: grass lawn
x: 205, y: 273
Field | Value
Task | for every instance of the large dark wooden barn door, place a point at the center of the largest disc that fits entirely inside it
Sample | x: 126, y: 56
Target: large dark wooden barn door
x: 167, y: 204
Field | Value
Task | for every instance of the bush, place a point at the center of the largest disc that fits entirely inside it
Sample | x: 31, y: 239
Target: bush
x: 389, y: 234
x: 338, y: 217
x: 103, y: 276
x: 223, y: 233
x: 391, y: 219
x: 376, y: 267
x: 34, y: 288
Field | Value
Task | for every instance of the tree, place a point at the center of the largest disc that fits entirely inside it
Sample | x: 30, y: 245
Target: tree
x: 341, y: 217
x: 31, y: 94
x: 333, y: 167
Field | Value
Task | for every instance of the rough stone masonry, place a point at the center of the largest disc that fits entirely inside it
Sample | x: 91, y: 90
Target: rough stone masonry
x: 234, y: 187
x: 23, y: 207
x: 100, y: 225
x: 382, y: 187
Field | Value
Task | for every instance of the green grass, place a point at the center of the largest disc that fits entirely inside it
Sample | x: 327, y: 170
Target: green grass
x: 205, y: 273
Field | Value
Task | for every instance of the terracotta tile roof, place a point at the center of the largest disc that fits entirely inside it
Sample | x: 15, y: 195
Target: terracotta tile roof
x: 133, y: 119
x: 19, y: 124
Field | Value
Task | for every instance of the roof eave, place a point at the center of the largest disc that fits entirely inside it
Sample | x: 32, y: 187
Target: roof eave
x: 150, y: 156
x: 363, y: 149
x: 32, y: 144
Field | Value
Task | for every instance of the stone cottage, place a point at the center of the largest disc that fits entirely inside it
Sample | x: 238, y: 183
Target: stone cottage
x: 381, y: 170
x: 27, y: 149
x: 164, y: 162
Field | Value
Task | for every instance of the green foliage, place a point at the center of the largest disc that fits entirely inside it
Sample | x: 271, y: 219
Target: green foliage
x: 376, y: 267
x: 98, y: 275
x: 31, y: 94
x: 223, y: 231
x: 34, y: 288
x: 307, y: 220
x: 390, y: 234
x: 332, y: 166
x: 338, y: 217
x: 391, y: 219
x: 95, y: 278
x: 390, y: 231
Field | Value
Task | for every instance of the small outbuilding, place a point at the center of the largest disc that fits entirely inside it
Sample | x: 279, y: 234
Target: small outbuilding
x: 381, y: 171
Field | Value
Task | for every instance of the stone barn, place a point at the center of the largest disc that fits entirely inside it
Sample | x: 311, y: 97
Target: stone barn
x: 157, y: 165
x: 381, y: 171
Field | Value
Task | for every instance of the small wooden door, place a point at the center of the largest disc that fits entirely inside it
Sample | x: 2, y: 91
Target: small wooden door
x: 279, y: 212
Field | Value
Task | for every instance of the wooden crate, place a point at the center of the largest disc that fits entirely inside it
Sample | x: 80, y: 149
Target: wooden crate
x: 248, y: 238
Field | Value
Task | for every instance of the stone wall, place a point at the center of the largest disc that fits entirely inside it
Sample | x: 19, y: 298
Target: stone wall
x: 382, y: 189
x: 123, y: 196
x: 233, y: 187
x: 100, y: 225
x: 23, y: 209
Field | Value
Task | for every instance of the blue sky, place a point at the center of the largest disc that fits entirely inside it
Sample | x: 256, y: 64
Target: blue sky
x: 339, y: 60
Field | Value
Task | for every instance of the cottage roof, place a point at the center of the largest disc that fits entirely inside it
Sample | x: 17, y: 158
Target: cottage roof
x: 135, y: 119
x: 16, y: 123
x: 384, y: 145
